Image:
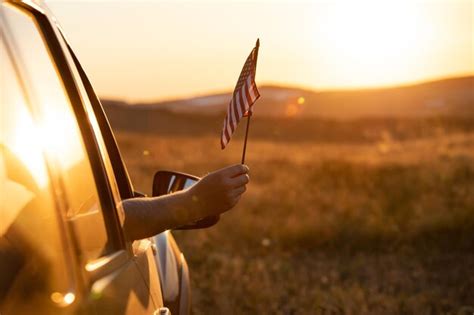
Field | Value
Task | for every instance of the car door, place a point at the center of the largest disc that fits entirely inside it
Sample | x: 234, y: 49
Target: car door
x: 144, y: 250
x: 113, y: 277
x: 160, y: 248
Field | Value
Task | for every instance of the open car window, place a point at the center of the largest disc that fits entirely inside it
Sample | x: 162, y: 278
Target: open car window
x: 120, y: 171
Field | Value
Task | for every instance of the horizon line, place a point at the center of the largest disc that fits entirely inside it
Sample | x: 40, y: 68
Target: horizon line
x: 292, y: 86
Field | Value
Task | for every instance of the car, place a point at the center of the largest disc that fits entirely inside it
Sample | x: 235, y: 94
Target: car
x: 63, y: 249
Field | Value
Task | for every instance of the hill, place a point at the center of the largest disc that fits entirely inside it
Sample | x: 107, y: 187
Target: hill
x: 443, y: 97
x: 415, y: 111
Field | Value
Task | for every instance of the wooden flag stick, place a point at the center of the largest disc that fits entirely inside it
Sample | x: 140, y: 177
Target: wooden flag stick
x: 257, y: 45
x: 246, y: 135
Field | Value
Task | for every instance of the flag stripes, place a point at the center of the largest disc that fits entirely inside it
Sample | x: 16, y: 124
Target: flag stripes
x: 245, y: 94
x: 240, y: 106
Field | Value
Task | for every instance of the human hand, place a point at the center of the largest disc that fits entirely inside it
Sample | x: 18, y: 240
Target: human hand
x: 219, y: 191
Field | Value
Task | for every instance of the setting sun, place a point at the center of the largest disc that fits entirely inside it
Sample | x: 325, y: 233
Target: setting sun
x: 376, y: 42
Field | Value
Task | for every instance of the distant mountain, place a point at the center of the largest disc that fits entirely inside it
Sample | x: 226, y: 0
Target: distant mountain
x: 415, y: 111
x: 443, y: 97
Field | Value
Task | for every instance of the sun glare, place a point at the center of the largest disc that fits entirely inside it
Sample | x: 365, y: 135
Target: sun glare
x: 18, y: 132
x: 27, y: 146
x: 374, y: 42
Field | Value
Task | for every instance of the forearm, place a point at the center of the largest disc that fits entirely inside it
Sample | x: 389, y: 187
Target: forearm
x: 213, y: 194
x: 145, y: 217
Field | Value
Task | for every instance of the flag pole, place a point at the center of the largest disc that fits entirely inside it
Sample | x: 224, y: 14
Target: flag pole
x: 257, y: 45
x: 246, y: 135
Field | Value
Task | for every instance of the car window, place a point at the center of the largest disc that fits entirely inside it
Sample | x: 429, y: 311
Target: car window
x: 119, y: 178
x: 118, y: 166
x: 32, y: 253
x: 60, y: 134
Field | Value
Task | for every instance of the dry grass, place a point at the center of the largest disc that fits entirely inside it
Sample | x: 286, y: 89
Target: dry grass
x: 371, y: 227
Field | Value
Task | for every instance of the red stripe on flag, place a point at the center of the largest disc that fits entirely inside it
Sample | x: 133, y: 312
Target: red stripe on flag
x: 232, y: 121
x: 242, y: 102
x: 237, y: 117
x: 255, y: 91
x: 249, y: 98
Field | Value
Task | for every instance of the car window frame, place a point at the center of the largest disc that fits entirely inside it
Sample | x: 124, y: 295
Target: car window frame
x: 120, y: 171
x: 58, y: 55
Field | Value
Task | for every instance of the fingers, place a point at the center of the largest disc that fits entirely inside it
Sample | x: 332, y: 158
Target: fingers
x: 240, y: 180
x: 235, y: 195
x: 239, y: 191
x: 236, y: 170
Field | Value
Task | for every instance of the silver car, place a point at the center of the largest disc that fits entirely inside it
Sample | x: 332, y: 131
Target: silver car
x: 62, y: 180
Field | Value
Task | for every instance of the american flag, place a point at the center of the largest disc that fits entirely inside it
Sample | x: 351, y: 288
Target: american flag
x: 245, y: 94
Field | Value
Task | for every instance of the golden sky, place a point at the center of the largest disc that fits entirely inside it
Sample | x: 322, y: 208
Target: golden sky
x: 155, y: 50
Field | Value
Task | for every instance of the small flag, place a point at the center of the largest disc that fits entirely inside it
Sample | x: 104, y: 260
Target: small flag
x: 245, y: 94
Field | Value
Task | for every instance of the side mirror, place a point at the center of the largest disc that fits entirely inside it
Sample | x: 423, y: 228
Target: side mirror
x: 167, y: 182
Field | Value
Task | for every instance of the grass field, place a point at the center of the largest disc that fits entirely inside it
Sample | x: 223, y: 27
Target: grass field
x: 368, y: 222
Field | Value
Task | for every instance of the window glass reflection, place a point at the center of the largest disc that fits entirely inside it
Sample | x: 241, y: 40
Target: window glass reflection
x: 32, y: 260
x: 58, y: 130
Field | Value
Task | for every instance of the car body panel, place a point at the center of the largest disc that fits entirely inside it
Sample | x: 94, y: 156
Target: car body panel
x: 174, y: 274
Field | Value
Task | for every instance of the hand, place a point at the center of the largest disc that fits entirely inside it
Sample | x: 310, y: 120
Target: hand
x: 219, y: 191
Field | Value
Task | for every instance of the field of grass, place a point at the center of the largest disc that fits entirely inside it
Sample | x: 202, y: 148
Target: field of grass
x: 370, y: 222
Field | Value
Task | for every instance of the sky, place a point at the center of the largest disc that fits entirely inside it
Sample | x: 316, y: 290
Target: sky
x: 143, y: 51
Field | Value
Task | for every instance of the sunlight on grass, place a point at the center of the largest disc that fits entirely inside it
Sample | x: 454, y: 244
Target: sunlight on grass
x: 363, y: 226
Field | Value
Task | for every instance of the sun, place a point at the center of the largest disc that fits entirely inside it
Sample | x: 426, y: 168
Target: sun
x: 374, y: 42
